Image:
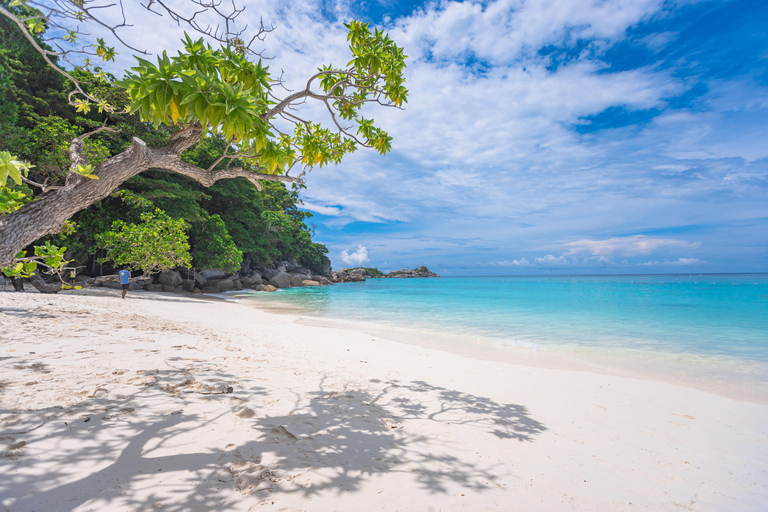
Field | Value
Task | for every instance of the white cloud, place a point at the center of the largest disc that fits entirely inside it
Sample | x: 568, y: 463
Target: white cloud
x: 357, y: 258
x: 522, y: 262
x: 677, y: 262
x: 331, y: 211
x: 553, y: 261
x: 485, y: 154
x: 626, y: 246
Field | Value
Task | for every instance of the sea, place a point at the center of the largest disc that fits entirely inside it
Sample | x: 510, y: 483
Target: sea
x: 708, y: 331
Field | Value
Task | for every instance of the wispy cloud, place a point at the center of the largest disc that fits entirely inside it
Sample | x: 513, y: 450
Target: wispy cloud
x: 543, y: 129
x: 680, y: 262
x: 626, y: 246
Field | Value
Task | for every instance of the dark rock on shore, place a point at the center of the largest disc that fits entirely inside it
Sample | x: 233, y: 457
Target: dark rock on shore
x: 422, y: 271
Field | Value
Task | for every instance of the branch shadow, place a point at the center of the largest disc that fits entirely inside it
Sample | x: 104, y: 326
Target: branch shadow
x: 346, y: 434
x: 332, y: 439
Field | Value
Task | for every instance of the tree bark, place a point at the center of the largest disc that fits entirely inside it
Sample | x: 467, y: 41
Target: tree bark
x: 43, y: 287
x: 46, y: 215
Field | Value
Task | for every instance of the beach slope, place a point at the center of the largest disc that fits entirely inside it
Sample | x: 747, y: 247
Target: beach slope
x: 162, y: 402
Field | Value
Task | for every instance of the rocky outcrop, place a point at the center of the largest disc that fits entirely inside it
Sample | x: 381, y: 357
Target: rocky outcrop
x: 281, y: 280
x: 348, y: 276
x: 285, y: 274
x: 422, y: 271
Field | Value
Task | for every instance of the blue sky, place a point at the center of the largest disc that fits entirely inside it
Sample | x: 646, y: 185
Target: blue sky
x: 548, y: 137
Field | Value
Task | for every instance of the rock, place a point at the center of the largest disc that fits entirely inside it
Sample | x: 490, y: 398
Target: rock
x: 155, y: 288
x: 310, y: 282
x: 219, y: 285
x: 238, y: 284
x: 213, y: 274
x: 252, y: 280
x: 348, y: 276
x: 357, y: 274
x: 281, y: 280
x: 112, y: 285
x: 171, y: 289
x: 200, y: 280
x: 422, y: 271
x: 268, y: 274
x: 291, y: 266
x: 170, y: 278
x: 265, y: 288
x: 188, y: 286
x: 297, y: 280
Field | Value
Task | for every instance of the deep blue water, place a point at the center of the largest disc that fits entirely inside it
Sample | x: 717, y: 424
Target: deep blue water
x: 697, y: 315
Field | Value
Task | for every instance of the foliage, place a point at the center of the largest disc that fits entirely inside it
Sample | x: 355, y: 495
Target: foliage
x: 371, y: 272
x: 222, y: 96
x: 213, y: 247
x: 12, y: 168
x: 157, y: 243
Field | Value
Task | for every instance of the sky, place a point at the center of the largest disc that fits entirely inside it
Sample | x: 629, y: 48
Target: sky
x: 543, y: 137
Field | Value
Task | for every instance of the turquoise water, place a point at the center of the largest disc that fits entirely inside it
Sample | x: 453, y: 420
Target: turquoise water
x: 710, y: 315
x: 705, y: 331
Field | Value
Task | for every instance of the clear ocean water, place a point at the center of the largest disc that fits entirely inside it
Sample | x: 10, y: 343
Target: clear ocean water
x: 714, y: 318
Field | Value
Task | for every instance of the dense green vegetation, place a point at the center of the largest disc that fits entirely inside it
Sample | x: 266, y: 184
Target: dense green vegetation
x: 227, y: 225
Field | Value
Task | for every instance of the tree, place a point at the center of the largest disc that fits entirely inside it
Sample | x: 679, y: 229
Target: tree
x: 157, y: 243
x: 200, y: 93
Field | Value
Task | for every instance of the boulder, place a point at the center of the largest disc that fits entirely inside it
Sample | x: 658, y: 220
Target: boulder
x: 357, y: 274
x: 281, y: 280
x: 188, y: 286
x: 213, y: 274
x: 297, y: 280
x: 112, y: 285
x: 200, y: 280
x: 171, y: 289
x: 238, y: 284
x: 170, y: 278
x: 265, y: 288
x: 251, y: 281
x: 219, y: 285
x: 310, y: 282
x: 268, y: 274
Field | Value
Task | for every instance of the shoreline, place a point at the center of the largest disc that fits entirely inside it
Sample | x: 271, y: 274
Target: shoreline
x: 679, y: 369
x: 126, y: 405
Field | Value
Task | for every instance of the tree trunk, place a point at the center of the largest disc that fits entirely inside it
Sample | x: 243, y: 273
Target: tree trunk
x: 42, y: 286
x: 46, y: 215
x: 18, y: 284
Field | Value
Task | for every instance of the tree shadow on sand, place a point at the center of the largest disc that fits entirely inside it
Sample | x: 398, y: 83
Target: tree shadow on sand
x: 334, y: 438
x: 349, y: 433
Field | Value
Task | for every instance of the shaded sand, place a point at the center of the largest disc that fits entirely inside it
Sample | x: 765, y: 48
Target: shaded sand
x: 161, y: 402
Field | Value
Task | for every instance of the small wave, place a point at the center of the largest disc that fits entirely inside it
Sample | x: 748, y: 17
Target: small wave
x: 521, y: 342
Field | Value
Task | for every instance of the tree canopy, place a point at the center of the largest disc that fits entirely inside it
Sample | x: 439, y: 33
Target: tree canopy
x: 211, y: 112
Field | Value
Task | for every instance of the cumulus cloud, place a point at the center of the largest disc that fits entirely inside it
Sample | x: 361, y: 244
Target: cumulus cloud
x: 357, y: 258
x: 502, y: 143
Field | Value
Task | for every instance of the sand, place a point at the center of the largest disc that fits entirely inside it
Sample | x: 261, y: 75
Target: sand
x: 162, y: 402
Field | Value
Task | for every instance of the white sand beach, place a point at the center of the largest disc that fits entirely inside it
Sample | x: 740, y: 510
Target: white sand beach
x: 164, y: 402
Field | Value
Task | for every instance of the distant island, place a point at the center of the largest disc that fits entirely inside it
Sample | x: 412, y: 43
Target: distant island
x: 346, y: 275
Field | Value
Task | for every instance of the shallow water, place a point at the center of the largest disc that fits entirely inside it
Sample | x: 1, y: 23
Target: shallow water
x: 715, y: 324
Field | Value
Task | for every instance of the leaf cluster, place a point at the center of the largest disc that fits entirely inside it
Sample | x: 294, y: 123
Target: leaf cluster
x: 157, y: 243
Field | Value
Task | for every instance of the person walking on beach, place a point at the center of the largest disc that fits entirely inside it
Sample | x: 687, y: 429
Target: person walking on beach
x: 125, y: 280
